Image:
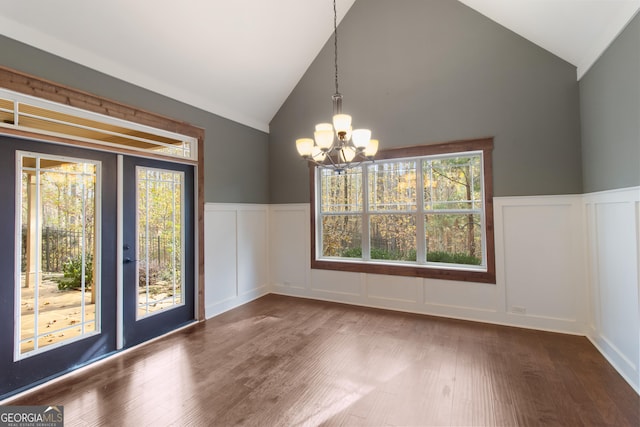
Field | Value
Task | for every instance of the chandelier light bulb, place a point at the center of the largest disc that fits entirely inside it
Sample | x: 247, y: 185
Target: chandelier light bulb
x: 342, y: 123
x: 372, y: 148
x: 324, y: 138
x: 304, y: 146
x: 324, y: 126
x: 361, y: 138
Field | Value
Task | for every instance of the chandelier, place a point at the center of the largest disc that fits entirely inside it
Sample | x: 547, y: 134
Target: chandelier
x: 349, y: 147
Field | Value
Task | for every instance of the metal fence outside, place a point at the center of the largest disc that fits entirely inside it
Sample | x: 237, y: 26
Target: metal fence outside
x: 58, y: 246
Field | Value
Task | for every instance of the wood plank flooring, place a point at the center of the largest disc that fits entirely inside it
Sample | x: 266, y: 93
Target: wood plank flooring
x: 282, y: 361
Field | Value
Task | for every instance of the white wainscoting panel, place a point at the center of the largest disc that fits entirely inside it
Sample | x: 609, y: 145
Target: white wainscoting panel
x: 252, y: 250
x: 289, y: 248
x: 396, y: 292
x: 613, y: 230
x: 328, y: 282
x: 539, y: 263
x: 235, y: 255
x: 220, y: 257
x: 541, y: 259
x: 447, y: 296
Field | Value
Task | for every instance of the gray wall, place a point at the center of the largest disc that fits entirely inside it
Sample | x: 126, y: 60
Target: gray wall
x: 610, y: 113
x: 418, y: 72
x: 235, y: 169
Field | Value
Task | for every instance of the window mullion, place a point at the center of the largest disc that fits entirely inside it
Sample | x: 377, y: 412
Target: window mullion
x: 421, y: 252
x: 483, y: 213
x: 318, y: 211
x: 366, y: 240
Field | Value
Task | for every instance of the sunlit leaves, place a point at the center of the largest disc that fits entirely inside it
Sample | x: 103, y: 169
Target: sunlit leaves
x: 454, y: 234
x: 393, y: 237
x: 341, y: 233
x: 452, y: 183
x: 341, y: 192
x: 443, y: 194
x: 58, y: 226
x: 160, y: 238
x: 392, y: 186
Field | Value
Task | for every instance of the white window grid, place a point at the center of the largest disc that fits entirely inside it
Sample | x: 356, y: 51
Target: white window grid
x: 420, y: 212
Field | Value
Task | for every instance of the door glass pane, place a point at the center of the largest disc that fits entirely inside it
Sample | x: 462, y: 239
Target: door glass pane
x: 58, y: 286
x: 160, y: 198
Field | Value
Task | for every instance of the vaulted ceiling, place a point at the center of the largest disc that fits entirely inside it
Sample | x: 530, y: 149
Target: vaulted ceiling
x: 240, y: 59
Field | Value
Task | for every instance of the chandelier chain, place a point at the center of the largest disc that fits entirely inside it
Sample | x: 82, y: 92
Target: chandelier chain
x: 335, y: 43
x: 344, y: 153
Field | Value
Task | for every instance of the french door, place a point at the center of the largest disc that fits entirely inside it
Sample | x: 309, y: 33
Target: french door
x: 88, y: 266
x: 158, y: 255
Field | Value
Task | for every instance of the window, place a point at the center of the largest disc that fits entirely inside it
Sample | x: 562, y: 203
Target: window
x: 24, y: 112
x: 58, y: 215
x: 421, y: 211
x: 160, y: 199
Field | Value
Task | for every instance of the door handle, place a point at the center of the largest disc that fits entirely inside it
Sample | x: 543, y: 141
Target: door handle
x: 129, y: 260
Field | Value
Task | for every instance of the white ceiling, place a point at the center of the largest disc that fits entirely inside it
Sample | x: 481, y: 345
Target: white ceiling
x: 240, y: 59
x: 577, y: 31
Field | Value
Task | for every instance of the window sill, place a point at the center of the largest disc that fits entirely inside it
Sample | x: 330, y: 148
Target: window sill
x: 424, y: 271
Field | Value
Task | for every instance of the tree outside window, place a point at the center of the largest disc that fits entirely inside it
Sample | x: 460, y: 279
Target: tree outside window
x: 420, y: 211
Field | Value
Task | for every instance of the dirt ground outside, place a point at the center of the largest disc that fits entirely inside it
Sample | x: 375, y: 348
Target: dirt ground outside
x: 59, y: 313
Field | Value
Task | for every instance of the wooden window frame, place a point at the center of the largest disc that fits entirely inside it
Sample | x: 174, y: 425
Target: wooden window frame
x: 41, y: 88
x: 426, y: 271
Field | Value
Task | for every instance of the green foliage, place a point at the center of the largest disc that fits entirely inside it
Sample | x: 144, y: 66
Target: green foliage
x: 436, y: 256
x: 157, y: 273
x: 72, y: 278
x: 352, y: 253
x: 452, y: 258
x: 378, y: 253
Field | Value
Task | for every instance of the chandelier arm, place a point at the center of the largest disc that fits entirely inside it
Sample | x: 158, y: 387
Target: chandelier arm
x: 333, y: 163
x: 315, y: 162
x: 341, y: 166
x: 321, y: 164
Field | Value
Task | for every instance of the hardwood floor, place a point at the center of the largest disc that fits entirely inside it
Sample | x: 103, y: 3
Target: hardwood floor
x: 282, y: 361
